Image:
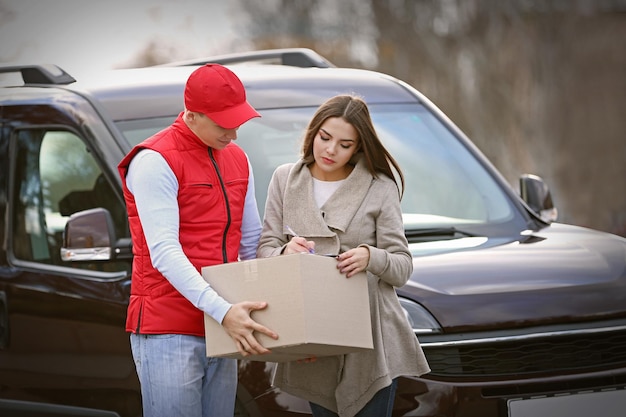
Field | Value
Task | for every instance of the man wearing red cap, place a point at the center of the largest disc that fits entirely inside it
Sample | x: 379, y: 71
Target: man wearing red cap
x: 189, y: 193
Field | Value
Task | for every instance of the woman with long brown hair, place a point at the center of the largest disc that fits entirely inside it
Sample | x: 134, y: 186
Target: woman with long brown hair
x: 343, y: 197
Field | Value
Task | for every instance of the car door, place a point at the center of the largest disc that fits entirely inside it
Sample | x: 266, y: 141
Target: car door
x: 62, y: 338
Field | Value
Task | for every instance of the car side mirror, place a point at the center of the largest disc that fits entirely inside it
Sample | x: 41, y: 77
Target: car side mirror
x: 536, y: 194
x: 90, y: 236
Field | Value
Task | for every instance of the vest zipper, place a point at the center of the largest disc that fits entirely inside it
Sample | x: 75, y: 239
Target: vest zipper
x: 228, y: 219
x: 138, y: 330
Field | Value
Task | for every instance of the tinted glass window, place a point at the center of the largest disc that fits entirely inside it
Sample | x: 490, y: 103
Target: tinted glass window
x: 56, y: 176
x: 446, y: 185
x: 135, y: 131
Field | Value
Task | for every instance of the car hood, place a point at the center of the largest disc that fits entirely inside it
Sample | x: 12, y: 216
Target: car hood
x: 557, y: 275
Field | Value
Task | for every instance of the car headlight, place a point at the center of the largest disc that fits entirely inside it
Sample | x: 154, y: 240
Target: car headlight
x: 420, y: 319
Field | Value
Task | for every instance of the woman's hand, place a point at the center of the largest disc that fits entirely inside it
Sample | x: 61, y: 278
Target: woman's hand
x: 299, y: 244
x: 353, y: 261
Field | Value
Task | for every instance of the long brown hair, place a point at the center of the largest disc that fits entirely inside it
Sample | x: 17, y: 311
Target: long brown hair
x: 354, y: 110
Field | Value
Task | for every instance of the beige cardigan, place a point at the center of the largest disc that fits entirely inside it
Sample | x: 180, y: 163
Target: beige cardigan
x: 363, y: 211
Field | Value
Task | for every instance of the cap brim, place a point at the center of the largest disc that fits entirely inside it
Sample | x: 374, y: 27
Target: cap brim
x: 235, y: 116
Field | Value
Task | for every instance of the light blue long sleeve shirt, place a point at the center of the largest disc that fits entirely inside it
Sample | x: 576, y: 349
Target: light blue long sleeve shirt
x: 155, y: 188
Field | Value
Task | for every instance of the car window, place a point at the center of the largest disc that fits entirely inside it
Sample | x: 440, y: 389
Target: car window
x: 56, y: 176
x: 446, y: 185
x: 135, y: 131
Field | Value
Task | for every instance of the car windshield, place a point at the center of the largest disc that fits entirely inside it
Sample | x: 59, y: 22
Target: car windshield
x: 446, y: 185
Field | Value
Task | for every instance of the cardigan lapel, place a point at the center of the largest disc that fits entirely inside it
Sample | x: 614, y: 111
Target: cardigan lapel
x: 299, y: 209
x: 301, y: 212
x: 342, y: 206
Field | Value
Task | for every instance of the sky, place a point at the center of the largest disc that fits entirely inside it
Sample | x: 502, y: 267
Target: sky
x: 85, y: 35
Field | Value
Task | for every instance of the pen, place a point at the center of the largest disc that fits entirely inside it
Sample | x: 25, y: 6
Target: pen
x: 294, y: 234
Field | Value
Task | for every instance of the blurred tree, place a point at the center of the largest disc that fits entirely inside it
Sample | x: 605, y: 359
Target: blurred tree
x: 538, y: 85
x: 154, y: 53
x: 6, y: 16
x: 342, y: 31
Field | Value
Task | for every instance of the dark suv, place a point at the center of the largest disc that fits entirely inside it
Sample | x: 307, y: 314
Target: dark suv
x: 518, y: 315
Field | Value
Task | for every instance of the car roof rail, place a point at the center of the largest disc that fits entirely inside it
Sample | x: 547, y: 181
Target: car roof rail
x: 295, y: 57
x: 39, y: 74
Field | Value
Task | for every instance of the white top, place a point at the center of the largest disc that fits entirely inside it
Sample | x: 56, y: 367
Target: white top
x: 322, y: 190
x: 155, y: 188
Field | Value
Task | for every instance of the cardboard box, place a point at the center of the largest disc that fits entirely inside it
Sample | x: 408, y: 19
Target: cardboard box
x: 314, y: 309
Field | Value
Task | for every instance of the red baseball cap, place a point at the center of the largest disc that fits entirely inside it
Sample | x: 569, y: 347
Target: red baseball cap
x: 217, y: 92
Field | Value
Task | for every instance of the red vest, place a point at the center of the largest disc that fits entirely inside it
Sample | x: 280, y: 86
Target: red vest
x: 211, y: 195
